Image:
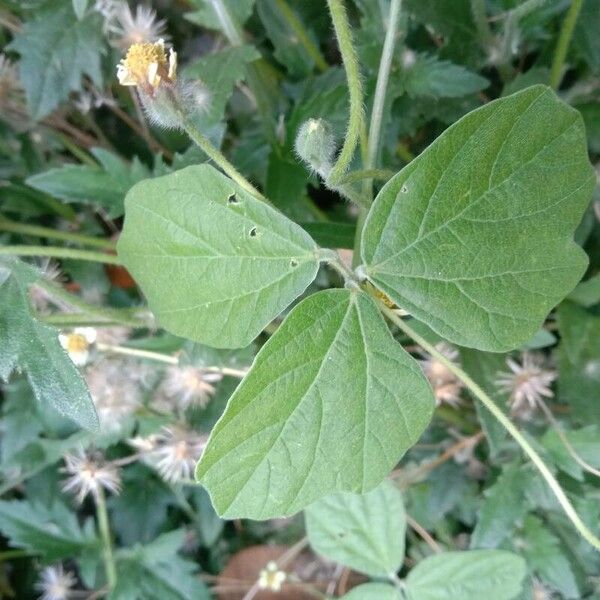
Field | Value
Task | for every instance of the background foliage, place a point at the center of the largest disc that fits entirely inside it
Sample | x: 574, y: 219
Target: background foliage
x: 463, y: 515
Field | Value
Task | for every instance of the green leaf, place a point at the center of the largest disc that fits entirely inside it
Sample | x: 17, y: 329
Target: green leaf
x: 312, y: 416
x: 587, y: 293
x: 544, y: 554
x: 586, y: 38
x: 79, y: 7
x: 441, y: 79
x: 56, y: 50
x: 579, y: 361
x: 53, y: 532
x: 373, y: 591
x: 105, y: 185
x: 484, y: 367
x: 474, y: 237
x: 503, y: 507
x: 288, y: 49
x: 221, y: 71
x: 489, y: 574
x: 207, y: 15
x: 157, y: 572
x: 364, y: 532
x: 585, y: 441
x: 216, y: 264
x: 34, y: 348
x: 332, y: 235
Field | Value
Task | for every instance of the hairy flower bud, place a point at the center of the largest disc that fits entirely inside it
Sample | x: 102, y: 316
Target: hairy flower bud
x: 315, y: 145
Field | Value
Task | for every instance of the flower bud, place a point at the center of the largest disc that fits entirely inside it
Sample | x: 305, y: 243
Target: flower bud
x: 315, y: 145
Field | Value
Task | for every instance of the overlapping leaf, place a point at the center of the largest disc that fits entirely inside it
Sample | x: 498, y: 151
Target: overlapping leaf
x: 330, y: 404
x: 362, y: 531
x: 34, y: 348
x: 215, y: 263
x: 474, y: 237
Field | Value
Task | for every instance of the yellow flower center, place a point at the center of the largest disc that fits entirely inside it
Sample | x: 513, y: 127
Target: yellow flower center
x: 76, y: 343
x: 141, y: 56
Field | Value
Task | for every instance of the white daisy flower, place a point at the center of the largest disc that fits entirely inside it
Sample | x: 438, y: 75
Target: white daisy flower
x: 55, y: 583
x: 78, y: 343
x: 89, y: 473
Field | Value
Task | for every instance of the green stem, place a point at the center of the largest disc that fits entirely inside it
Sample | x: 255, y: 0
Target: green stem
x: 360, y: 223
x: 76, y: 151
x: 219, y: 158
x: 107, y: 550
x: 58, y: 252
x: 46, y: 232
x: 104, y: 314
x: 484, y: 31
x: 300, y: 32
x: 380, y: 174
x: 156, y: 356
x: 527, y: 448
x: 385, y: 66
x: 566, y: 33
x: 350, y: 60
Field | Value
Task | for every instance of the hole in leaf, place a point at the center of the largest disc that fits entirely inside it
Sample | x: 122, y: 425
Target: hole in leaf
x: 293, y: 263
x: 404, y: 189
x: 253, y: 232
x: 232, y: 199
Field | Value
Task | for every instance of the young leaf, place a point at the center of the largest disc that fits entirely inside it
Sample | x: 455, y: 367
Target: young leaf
x: 313, y: 415
x: 474, y: 237
x: 221, y: 70
x: 52, y: 532
x: 364, y: 532
x: 441, y: 79
x: 489, y: 574
x: 215, y: 263
x: 105, y: 186
x: 373, y: 591
x: 56, y: 50
x: 34, y: 347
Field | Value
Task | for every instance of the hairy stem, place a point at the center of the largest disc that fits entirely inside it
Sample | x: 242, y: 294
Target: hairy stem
x: 566, y: 33
x: 46, y: 232
x: 58, y: 252
x: 526, y: 447
x: 104, y: 527
x: 385, y: 66
x: 350, y: 60
x: 219, y: 158
x: 300, y: 32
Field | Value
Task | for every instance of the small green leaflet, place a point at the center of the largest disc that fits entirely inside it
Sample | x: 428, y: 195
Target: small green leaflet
x: 474, y: 237
x: 34, y: 347
x: 373, y: 591
x: 56, y: 50
x: 441, y: 79
x: 105, y: 186
x: 216, y: 264
x: 312, y: 417
x: 489, y: 574
x: 362, y: 531
x: 222, y: 70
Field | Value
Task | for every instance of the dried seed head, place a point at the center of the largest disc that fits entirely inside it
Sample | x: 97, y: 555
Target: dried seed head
x: 55, y: 583
x: 89, y: 473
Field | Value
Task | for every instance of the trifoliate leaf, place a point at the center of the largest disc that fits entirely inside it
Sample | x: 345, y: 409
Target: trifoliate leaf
x: 56, y: 50
x: 53, y: 532
x: 105, y: 186
x: 474, y: 237
x: 33, y: 347
x: 312, y: 417
x: 362, y: 531
x: 489, y: 574
x: 216, y: 264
